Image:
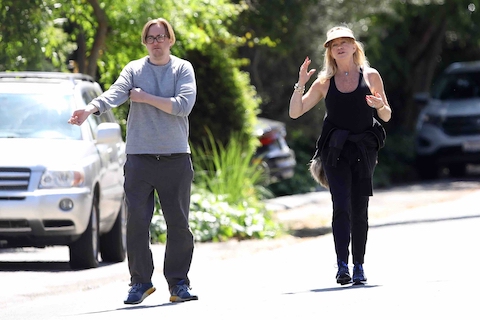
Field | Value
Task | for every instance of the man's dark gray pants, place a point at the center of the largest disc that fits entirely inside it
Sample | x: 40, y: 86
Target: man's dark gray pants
x: 171, y: 176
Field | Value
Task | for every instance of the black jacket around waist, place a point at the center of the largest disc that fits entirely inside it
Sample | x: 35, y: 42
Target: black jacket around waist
x: 367, y: 142
x: 328, y: 128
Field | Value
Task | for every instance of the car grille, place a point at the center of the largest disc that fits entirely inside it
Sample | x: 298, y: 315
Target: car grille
x: 14, y: 179
x: 14, y: 224
x: 457, y: 126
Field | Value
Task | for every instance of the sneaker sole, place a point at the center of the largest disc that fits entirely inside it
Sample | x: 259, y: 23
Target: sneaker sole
x: 344, y: 281
x: 357, y: 282
x: 145, y: 294
x: 178, y: 299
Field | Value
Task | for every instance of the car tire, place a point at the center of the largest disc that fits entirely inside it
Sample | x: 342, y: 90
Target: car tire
x: 113, y: 245
x: 457, y: 170
x: 84, y: 251
x: 426, y: 168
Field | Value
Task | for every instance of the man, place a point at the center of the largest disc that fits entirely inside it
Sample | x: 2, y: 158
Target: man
x: 162, y: 91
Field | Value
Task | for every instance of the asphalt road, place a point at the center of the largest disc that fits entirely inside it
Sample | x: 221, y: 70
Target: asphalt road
x: 421, y: 263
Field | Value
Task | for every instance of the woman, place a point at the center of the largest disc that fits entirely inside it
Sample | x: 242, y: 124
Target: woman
x: 350, y: 139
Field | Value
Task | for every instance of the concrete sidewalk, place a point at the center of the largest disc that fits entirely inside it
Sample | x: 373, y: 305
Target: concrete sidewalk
x: 310, y: 214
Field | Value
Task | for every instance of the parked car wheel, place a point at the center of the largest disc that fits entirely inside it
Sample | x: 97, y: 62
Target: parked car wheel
x: 84, y: 251
x: 426, y: 168
x: 113, y: 245
x: 457, y: 170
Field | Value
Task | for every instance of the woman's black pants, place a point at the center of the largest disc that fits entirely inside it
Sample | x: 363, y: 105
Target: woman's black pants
x: 350, y: 205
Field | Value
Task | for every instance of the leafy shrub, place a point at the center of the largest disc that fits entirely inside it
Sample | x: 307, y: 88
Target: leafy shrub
x: 214, y: 219
x: 227, y: 171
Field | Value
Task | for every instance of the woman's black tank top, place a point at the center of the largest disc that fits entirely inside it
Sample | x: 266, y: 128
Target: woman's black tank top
x: 349, y: 111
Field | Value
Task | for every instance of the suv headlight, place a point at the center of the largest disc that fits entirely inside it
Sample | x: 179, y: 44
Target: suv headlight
x: 434, y: 120
x: 62, y: 179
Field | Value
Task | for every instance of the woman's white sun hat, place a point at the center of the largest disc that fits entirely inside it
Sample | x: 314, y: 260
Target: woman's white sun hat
x: 338, y: 32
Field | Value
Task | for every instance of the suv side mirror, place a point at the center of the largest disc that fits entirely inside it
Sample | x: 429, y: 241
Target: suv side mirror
x: 109, y: 132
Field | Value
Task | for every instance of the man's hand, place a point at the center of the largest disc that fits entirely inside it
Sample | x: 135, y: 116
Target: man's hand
x: 138, y: 95
x: 79, y: 116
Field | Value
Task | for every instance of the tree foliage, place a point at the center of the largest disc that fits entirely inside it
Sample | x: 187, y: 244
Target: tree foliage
x: 28, y: 37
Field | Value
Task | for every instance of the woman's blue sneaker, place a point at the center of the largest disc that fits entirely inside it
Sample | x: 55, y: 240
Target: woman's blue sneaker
x: 138, y: 292
x: 358, y: 274
x: 343, y: 275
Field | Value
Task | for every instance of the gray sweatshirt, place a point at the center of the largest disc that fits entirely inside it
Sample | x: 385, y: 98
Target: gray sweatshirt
x: 150, y: 130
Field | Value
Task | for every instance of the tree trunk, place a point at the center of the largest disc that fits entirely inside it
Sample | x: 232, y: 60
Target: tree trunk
x: 100, y: 37
x: 423, y: 58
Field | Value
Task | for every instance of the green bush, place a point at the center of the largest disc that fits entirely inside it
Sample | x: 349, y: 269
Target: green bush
x: 214, y: 219
x: 227, y: 171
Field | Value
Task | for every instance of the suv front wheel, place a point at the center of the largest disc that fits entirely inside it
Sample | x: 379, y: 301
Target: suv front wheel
x: 113, y: 245
x: 84, y: 251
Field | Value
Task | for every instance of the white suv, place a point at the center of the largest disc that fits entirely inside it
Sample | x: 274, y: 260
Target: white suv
x: 448, y: 127
x: 60, y: 184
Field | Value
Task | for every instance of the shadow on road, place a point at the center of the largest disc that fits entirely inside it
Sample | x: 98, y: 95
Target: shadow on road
x: 132, y: 308
x: 340, y: 288
x: 441, y: 184
x: 310, y: 232
x: 50, y: 266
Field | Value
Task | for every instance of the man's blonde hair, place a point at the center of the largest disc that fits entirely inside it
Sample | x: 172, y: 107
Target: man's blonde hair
x: 159, y: 21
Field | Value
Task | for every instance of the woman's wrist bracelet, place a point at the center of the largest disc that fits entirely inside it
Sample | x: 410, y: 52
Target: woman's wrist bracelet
x: 297, y: 88
x: 381, y: 108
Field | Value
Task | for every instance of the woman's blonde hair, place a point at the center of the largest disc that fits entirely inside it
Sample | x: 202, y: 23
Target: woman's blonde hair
x: 159, y: 21
x: 330, y: 66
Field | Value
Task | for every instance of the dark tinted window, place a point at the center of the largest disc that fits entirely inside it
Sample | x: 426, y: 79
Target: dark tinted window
x: 457, y: 86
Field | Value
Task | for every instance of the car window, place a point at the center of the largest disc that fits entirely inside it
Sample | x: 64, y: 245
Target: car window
x: 458, y: 86
x: 37, y: 115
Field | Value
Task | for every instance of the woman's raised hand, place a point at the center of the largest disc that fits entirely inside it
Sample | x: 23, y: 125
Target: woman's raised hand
x: 305, y: 74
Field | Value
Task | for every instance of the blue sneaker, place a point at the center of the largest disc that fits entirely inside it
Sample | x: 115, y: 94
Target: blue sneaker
x: 138, y: 292
x: 181, y: 293
x: 358, y: 274
x: 343, y: 275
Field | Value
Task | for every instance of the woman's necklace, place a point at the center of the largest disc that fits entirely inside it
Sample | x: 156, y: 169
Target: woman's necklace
x: 346, y: 73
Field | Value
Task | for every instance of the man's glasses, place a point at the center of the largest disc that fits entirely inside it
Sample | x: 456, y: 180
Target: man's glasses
x: 160, y: 38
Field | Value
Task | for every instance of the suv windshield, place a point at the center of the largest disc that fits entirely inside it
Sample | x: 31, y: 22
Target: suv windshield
x: 463, y: 85
x: 37, y: 115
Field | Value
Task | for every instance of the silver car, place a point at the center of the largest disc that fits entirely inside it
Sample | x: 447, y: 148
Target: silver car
x: 274, y: 155
x: 60, y: 184
x: 448, y: 127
